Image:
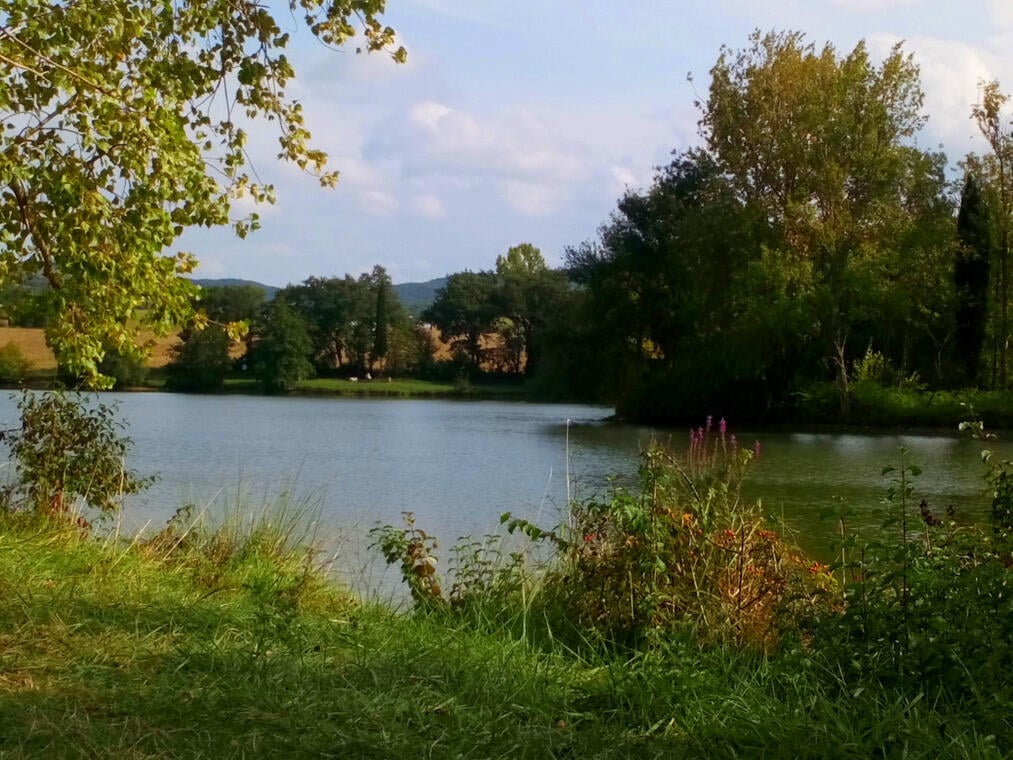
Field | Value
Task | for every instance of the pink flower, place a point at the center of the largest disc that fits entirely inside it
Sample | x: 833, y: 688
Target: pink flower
x: 722, y: 426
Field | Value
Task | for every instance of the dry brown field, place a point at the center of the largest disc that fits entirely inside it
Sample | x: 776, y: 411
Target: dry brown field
x: 32, y: 342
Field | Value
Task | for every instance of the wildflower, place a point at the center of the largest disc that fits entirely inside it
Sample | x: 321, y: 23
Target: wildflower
x: 710, y: 422
x: 756, y: 450
x: 722, y: 426
x: 815, y: 568
x: 589, y: 537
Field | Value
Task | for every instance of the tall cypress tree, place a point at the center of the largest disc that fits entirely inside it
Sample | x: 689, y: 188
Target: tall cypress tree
x: 381, y: 324
x: 970, y: 276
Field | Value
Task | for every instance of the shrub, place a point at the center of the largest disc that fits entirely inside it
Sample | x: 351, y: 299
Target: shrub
x: 201, y: 361
x: 926, y: 607
x: 14, y: 367
x: 66, y: 449
x: 413, y: 549
x: 126, y: 371
x: 684, y: 549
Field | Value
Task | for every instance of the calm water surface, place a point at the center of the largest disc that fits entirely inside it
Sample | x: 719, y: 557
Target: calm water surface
x: 459, y: 465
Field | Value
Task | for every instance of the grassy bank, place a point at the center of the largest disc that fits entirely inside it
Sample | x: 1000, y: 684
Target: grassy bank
x: 234, y: 646
x: 670, y: 621
x: 395, y: 388
x: 876, y: 405
x: 392, y: 388
x: 667, y: 619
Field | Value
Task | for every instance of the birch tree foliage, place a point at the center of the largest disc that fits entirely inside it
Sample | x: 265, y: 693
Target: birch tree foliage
x: 123, y: 125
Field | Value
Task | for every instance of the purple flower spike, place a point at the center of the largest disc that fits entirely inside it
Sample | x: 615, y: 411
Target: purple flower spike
x: 722, y: 426
x: 710, y: 422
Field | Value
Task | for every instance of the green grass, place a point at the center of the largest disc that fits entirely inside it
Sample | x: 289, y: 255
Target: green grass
x: 876, y: 405
x: 397, y: 388
x: 394, y: 387
x: 232, y: 643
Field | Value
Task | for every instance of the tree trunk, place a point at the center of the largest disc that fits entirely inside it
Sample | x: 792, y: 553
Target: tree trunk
x: 843, y: 387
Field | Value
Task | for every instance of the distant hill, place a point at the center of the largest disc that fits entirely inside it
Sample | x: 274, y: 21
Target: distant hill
x: 416, y: 296
x: 231, y: 282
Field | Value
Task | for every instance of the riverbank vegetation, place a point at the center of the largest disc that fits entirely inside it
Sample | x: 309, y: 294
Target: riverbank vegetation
x: 670, y: 619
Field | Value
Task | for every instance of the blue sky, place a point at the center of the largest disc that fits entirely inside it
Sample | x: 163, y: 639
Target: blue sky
x: 526, y: 121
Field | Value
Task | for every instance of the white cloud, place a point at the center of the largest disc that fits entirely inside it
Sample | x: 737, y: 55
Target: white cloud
x: 378, y: 202
x: 353, y: 170
x: 429, y: 206
x: 533, y: 199
x: 950, y: 74
x: 626, y: 178
x: 447, y: 140
x: 1000, y: 14
x: 873, y: 6
x: 428, y: 114
x: 245, y: 205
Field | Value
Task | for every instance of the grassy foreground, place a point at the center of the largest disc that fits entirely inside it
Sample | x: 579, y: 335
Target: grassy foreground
x: 236, y: 645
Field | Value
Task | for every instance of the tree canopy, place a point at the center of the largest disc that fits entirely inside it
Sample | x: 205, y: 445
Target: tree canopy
x: 122, y: 125
x: 807, y: 227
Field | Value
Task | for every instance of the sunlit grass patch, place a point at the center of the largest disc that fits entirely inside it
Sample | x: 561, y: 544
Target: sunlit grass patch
x: 378, y: 386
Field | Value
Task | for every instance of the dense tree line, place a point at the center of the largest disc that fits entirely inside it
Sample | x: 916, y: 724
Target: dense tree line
x: 808, y: 241
x: 492, y: 322
x: 496, y: 321
x: 807, y: 244
x: 330, y: 327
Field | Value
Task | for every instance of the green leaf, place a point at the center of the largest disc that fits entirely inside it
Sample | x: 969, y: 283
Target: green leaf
x: 120, y: 160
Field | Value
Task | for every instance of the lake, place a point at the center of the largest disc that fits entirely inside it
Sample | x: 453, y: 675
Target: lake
x: 457, y: 465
